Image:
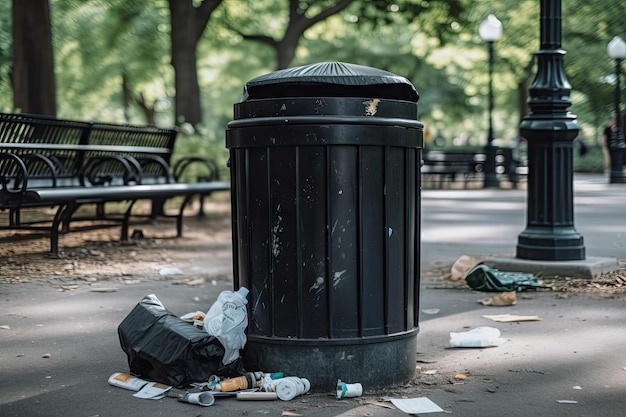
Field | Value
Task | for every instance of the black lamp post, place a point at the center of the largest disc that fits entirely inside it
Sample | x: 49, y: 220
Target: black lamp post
x: 550, y: 131
x: 490, y: 30
x: 617, y: 51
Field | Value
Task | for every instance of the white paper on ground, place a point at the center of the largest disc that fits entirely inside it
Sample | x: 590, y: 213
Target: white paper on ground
x: 418, y: 405
x: 507, y: 318
x: 152, y: 391
x: 478, y: 337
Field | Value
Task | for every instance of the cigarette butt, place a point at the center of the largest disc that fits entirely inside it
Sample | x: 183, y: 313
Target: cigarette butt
x: 257, y: 396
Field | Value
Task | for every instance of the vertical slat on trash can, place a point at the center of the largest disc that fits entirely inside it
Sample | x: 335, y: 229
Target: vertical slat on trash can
x: 372, y: 240
x: 313, y: 244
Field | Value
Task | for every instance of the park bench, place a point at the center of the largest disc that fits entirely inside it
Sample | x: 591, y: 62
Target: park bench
x: 66, y: 164
x: 446, y: 166
x: 443, y: 167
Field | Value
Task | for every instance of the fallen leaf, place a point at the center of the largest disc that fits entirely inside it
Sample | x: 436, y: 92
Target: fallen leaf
x: 381, y: 404
x: 502, y: 299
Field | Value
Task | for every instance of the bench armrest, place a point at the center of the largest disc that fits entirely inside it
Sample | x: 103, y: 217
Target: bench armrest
x: 208, y: 167
x: 155, y: 166
x: 104, y: 170
x: 13, y: 174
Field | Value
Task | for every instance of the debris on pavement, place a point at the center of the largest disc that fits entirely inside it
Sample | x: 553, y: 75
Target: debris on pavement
x: 567, y: 402
x: 129, y: 382
x: 205, y: 399
x: 485, y: 278
x: 503, y: 299
x: 479, y: 337
x: 419, y: 405
x: 170, y: 271
x: 191, y: 354
x: 152, y: 391
x: 508, y: 318
x: 462, y: 266
x: 430, y: 311
x: 349, y: 390
x: 257, y: 396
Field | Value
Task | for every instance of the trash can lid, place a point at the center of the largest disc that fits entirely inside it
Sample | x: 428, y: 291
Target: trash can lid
x: 330, y: 79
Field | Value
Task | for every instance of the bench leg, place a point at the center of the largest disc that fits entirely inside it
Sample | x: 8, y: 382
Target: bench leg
x: 179, y: 217
x: 157, y: 208
x: 61, y: 217
x: 201, y: 213
x: 14, y: 217
x: 70, y: 209
x: 126, y: 222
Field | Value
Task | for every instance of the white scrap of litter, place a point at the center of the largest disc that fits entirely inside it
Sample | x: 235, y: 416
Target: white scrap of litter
x: 508, y: 318
x: 567, y: 402
x: 103, y: 289
x: 170, y: 271
x: 430, y: 372
x: 577, y: 387
x: 418, y: 405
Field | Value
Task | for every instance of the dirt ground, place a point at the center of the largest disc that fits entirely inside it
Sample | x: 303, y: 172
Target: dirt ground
x: 96, y: 257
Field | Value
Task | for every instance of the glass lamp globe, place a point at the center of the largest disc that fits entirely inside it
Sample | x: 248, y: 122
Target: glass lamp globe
x: 490, y: 30
x: 617, y: 48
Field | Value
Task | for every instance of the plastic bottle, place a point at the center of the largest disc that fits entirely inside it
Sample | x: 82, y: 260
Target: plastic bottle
x: 248, y: 380
x: 227, y: 320
x: 238, y: 383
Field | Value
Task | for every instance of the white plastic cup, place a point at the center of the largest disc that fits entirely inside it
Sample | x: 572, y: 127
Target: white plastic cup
x: 349, y: 390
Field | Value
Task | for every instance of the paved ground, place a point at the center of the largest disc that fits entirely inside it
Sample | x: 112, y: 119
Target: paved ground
x: 59, y: 329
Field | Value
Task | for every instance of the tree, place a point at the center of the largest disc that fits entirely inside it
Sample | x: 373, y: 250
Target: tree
x: 188, y: 23
x: 32, y: 74
x: 302, y: 15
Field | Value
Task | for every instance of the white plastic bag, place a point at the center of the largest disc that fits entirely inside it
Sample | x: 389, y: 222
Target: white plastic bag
x: 227, y: 320
x: 478, y: 337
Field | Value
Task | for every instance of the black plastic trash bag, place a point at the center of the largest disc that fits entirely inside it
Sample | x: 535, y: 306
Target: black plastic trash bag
x: 484, y: 278
x: 163, y: 348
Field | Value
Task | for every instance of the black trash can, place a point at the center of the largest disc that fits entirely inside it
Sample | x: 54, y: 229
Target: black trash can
x: 325, y: 170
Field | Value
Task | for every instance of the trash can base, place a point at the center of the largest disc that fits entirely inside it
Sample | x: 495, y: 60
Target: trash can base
x: 387, y: 362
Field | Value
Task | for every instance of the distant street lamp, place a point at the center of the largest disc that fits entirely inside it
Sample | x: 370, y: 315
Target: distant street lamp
x: 490, y: 31
x: 617, y: 51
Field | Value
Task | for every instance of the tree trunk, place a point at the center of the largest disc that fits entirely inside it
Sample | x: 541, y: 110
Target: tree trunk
x: 188, y: 23
x: 34, y: 89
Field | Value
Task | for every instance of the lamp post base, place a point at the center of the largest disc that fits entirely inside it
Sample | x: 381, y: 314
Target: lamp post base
x: 546, y: 245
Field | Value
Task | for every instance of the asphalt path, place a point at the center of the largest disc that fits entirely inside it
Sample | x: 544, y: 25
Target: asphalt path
x: 59, y: 348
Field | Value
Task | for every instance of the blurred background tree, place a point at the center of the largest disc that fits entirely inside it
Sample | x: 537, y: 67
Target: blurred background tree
x: 150, y: 61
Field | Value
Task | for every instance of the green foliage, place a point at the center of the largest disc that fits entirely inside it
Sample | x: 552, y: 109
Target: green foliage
x: 96, y: 43
x: 434, y: 43
x: 6, y: 56
x: 199, y: 145
x: 591, y: 162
